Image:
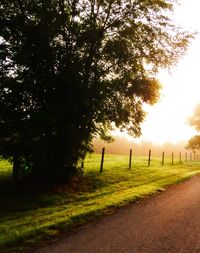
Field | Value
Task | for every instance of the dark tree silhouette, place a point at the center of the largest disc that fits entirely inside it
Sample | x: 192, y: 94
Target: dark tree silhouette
x: 73, y: 69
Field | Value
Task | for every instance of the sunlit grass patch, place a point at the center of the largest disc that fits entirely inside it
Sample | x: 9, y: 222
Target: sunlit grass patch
x: 5, y: 170
x: 28, y: 217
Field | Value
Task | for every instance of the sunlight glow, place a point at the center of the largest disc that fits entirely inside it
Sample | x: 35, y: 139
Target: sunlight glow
x: 166, y: 121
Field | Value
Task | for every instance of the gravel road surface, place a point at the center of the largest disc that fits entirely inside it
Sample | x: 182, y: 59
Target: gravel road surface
x: 167, y: 222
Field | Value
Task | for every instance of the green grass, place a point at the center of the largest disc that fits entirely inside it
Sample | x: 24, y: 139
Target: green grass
x: 29, y: 216
x: 5, y: 171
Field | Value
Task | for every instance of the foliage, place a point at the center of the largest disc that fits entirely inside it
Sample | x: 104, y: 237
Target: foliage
x: 194, y: 143
x: 194, y: 121
x: 70, y: 70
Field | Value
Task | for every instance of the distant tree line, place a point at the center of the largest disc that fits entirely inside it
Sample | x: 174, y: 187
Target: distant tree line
x: 121, y: 145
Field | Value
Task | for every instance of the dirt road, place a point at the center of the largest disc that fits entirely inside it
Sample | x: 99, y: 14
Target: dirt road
x: 167, y: 222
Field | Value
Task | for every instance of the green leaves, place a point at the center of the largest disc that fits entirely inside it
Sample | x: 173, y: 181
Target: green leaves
x: 70, y: 70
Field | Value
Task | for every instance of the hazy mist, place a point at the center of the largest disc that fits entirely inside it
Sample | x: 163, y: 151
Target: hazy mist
x: 122, y: 146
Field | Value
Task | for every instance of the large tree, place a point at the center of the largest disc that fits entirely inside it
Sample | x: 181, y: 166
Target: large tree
x: 73, y: 69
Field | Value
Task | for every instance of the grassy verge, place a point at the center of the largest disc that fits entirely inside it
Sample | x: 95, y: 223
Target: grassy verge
x: 29, y: 216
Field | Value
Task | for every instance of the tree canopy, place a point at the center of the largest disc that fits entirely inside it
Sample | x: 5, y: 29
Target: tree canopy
x: 194, y: 143
x: 73, y: 69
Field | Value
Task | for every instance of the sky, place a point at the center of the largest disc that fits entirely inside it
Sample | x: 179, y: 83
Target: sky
x: 167, y: 120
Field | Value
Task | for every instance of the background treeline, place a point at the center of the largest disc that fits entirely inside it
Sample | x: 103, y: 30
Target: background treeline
x: 122, y: 145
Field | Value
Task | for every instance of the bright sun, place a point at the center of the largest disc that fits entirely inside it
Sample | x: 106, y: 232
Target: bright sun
x: 166, y: 121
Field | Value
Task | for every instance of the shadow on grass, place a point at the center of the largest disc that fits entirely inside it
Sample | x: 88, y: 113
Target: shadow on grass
x: 26, y: 197
x: 82, y: 199
x: 23, y: 197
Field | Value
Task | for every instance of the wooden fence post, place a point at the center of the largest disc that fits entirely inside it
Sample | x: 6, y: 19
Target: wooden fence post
x: 149, y: 160
x: 102, y: 160
x: 172, y: 158
x: 180, y: 158
x: 163, y: 158
x: 186, y: 157
x: 190, y: 156
x: 130, y: 159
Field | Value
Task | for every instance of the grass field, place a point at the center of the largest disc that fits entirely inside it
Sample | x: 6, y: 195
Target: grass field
x: 28, y: 216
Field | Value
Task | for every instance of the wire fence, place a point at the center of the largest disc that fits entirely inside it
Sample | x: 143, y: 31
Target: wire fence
x: 150, y: 159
